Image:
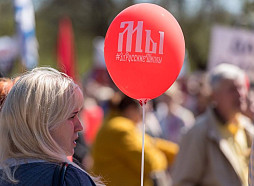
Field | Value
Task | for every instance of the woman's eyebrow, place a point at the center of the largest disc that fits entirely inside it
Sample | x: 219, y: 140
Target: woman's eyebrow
x: 78, y: 111
x: 74, y: 113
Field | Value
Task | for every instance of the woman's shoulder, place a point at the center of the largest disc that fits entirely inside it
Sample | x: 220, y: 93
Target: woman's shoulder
x: 41, y: 173
x: 76, y: 176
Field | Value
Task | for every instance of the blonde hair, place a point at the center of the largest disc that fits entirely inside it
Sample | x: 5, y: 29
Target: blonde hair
x: 38, y: 102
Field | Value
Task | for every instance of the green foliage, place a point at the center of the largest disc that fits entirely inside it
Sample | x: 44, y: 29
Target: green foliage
x: 7, y: 26
x: 91, y: 18
x: 88, y: 21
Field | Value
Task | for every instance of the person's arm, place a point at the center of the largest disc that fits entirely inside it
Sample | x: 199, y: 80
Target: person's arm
x: 127, y: 144
x: 170, y: 149
x: 190, y: 161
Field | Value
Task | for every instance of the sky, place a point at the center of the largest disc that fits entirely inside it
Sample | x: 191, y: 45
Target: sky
x: 233, y: 6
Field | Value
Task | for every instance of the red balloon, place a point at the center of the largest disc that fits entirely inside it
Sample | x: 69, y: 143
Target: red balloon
x: 144, y: 50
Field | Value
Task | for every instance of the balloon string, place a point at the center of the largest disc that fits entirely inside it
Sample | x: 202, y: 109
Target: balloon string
x: 143, y: 143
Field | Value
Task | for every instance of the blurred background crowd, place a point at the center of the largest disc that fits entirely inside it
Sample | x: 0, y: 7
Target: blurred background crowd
x: 69, y: 35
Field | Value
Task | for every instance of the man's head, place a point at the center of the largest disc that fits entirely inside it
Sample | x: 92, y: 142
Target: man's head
x: 130, y: 109
x: 228, y: 88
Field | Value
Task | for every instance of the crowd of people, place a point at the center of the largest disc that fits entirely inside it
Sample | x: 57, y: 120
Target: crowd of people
x: 199, y: 132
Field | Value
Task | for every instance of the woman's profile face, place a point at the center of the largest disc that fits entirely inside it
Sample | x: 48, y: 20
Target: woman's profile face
x: 66, y: 132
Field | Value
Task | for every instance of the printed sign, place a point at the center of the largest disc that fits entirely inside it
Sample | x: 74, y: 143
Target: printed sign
x: 234, y: 46
x: 150, y: 45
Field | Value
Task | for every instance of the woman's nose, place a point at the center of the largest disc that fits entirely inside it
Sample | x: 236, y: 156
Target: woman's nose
x: 78, y: 125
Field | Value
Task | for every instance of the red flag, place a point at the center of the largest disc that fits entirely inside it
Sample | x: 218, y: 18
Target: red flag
x: 65, y: 48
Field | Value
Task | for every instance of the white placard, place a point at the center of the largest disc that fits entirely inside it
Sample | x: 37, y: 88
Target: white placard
x: 234, y: 46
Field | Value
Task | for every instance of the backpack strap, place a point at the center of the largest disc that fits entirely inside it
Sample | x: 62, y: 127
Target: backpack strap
x: 59, y: 174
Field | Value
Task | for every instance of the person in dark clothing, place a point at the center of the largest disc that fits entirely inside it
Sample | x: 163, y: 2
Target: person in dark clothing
x: 38, y: 129
x: 82, y: 153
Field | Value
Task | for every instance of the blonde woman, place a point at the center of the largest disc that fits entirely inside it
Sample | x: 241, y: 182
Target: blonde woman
x: 38, y: 127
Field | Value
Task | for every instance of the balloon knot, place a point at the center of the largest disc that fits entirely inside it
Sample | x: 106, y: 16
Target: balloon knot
x: 143, y: 102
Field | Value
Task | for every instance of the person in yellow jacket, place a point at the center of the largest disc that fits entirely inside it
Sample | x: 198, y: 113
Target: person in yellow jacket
x: 117, y: 149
